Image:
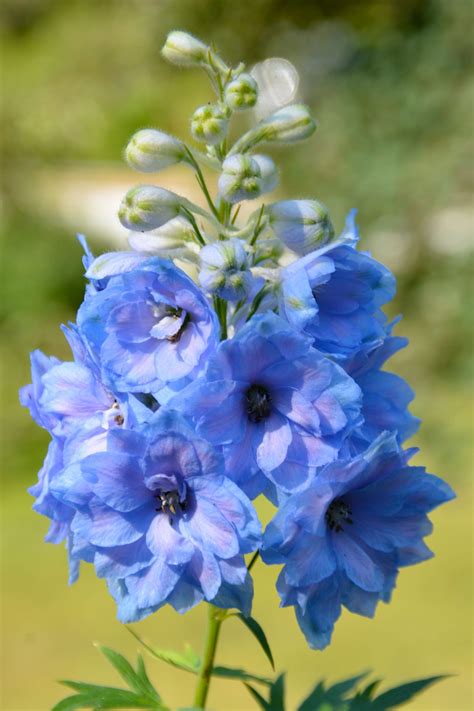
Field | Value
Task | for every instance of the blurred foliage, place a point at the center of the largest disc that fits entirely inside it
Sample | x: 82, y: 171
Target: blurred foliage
x: 390, y: 82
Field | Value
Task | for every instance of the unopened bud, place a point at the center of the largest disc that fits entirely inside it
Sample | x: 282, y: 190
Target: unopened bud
x: 209, y: 123
x: 225, y: 270
x: 147, y: 207
x: 183, y: 49
x: 241, y: 93
x: 169, y: 238
x: 303, y: 225
x: 268, y: 173
x: 246, y: 177
x: 150, y: 150
x: 287, y: 125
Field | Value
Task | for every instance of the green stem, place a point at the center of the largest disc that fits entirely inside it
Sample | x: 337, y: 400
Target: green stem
x: 215, y: 620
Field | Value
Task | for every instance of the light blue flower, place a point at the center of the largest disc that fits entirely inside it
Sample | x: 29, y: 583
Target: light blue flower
x: 334, y: 294
x: 386, y: 396
x: 149, y: 326
x: 276, y: 407
x: 163, y: 522
x: 343, y: 539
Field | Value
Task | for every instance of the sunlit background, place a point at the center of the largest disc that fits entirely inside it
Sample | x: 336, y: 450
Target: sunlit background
x: 389, y: 81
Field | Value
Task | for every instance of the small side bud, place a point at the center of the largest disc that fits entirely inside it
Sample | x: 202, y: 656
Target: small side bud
x: 147, y: 207
x: 268, y: 173
x: 173, y: 240
x: 209, y: 123
x: 246, y: 177
x: 225, y: 270
x: 150, y: 150
x: 287, y: 125
x: 184, y: 50
x: 241, y: 93
x: 303, y: 225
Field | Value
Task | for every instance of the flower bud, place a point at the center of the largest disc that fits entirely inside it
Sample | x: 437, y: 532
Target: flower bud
x: 303, y: 225
x: 147, y: 207
x: 209, y: 123
x: 225, y: 270
x: 173, y: 239
x: 150, y: 150
x: 184, y: 50
x: 246, y: 177
x: 241, y: 93
x: 268, y: 173
x: 287, y: 125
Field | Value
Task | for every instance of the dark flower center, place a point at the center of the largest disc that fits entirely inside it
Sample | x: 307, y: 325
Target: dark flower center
x: 337, y: 514
x: 170, y: 503
x: 258, y: 403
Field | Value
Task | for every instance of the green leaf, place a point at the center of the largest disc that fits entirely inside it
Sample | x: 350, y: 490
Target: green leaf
x: 188, y: 661
x: 277, y: 694
x: 333, y: 697
x: 129, y: 675
x: 241, y: 674
x: 104, y: 697
x: 143, y: 676
x: 70, y: 703
x: 403, y: 693
x: 258, y: 698
x: 259, y: 635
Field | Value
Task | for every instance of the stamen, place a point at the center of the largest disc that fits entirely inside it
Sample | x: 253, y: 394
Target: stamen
x: 337, y: 514
x: 258, y: 403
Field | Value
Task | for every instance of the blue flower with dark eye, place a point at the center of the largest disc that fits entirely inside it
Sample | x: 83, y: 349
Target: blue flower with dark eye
x: 343, y: 539
x: 386, y: 396
x: 276, y: 407
x: 150, y: 325
x: 335, y: 293
x: 163, y: 523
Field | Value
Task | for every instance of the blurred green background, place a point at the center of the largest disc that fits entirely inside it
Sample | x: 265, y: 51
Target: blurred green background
x: 390, y: 83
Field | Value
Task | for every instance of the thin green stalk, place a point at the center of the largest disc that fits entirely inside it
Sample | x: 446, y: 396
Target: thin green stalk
x: 215, y: 620
x: 202, y: 182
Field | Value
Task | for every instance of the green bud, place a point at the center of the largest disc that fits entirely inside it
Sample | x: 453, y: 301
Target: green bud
x: 287, y: 125
x: 209, y: 123
x: 241, y: 93
x: 150, y: 150
x: 184, y: 50
x: 147, y: 207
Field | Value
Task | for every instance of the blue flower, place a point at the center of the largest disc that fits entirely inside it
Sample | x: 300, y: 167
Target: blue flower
x: 149, y: 326
x: 335, y: 293
x: 343, y: 539
x: 163, y: 524
x: 386, y: 396
x: 69, y: 401
x: 276, y: 407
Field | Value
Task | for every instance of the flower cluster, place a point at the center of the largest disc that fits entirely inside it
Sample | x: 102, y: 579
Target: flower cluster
x: 193, y: 390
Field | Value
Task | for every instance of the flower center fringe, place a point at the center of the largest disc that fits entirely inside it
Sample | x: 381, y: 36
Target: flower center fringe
x: 337, y: 514
x: 258, y: 403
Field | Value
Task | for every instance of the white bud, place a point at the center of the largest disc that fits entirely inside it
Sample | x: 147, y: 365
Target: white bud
x: 185, y: 50
x: 209, y: 123
x: 174, y: 240
x: 246, y: 177
x: 241, y: 93
x: 147, y: 207
x: 303, y: 225
x: 287, y: 125
x: 268, y: 173
x: 150, y: 150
